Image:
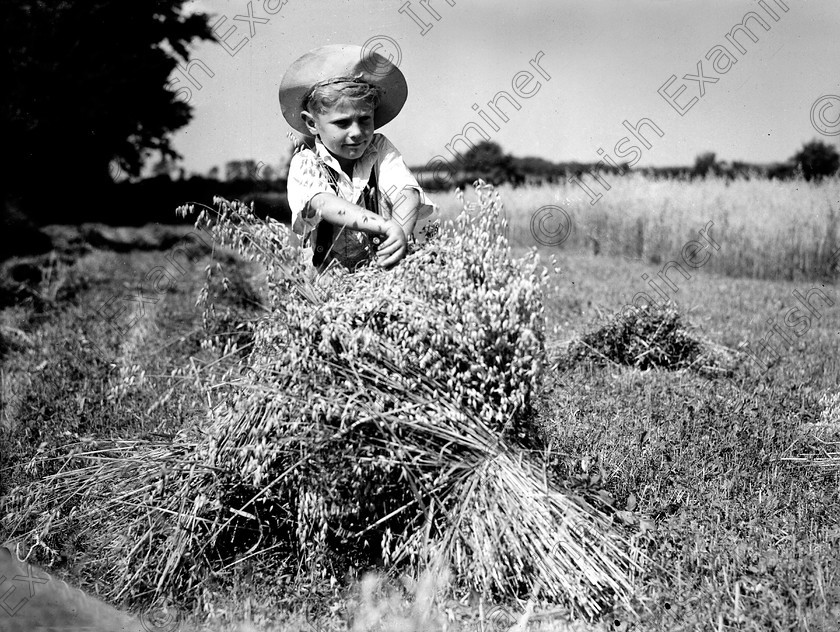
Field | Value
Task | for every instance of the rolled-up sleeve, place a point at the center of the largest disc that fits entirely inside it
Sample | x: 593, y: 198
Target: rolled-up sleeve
x: 305, y: 180
x: 394, y: 176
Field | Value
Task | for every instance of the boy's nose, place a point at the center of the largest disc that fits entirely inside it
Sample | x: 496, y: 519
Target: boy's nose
x: 356, y: 130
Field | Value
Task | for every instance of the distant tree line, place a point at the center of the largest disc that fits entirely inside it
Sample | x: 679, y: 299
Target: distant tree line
x: 487, y: 160
x: 153, y: 199
x: 233, y: 170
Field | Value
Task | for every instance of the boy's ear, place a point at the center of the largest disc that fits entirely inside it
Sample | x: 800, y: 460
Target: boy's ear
x: 309, y: 121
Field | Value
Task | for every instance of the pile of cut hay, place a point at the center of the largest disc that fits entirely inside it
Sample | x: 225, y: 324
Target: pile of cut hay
x: 380, y: 418
x: 818, y: 443
x: 651, y: 337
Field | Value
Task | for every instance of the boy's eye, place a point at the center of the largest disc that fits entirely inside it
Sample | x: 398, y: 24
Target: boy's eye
x: 363, y: 120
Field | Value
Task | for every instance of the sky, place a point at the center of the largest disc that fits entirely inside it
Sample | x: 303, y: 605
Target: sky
x: 601, y: 63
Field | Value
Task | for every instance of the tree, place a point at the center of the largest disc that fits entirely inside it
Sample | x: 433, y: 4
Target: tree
x: 249, y: 169
x: 487, y: 160
x: 705, y: 164
x: 539, y: 170
x: 87, y: 85
x: 264, y: 173
x: 235, y: 170
x: 816, y: 159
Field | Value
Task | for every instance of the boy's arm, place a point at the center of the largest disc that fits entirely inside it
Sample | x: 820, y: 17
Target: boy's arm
x: 405, y: 209
x: 340, y: 212
x: 409, y: 203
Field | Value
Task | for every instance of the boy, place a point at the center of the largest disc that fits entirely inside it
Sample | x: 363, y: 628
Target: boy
x: 351, y: 195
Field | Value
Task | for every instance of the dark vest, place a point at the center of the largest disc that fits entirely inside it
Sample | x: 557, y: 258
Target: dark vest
x: 324, y: 235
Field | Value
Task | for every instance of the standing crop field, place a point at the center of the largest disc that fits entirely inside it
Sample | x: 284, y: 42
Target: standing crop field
x: 770, y: 229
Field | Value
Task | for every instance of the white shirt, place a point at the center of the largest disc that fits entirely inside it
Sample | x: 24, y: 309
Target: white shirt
x: 308, y: 177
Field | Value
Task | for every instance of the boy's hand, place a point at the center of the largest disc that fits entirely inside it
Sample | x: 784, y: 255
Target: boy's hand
x: 393, y: 249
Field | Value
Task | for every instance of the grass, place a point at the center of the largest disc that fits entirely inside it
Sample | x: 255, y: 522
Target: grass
x: 717, y: 476
x: 750, y: 538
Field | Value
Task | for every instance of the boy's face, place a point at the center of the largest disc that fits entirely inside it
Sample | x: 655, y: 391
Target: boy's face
x: 345, y: 129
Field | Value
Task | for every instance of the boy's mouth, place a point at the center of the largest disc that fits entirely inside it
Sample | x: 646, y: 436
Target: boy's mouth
x: 359, y: 143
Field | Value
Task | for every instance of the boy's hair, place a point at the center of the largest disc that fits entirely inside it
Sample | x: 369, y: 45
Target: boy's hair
x: 326, y: 94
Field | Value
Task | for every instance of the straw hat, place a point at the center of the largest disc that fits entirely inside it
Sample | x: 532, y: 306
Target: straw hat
x: 342, y: 60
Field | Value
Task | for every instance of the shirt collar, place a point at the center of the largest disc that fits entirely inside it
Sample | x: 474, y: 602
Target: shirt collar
x: 362, y: 166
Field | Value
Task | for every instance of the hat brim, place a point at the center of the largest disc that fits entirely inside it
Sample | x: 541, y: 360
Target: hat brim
x: 342, y: 60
